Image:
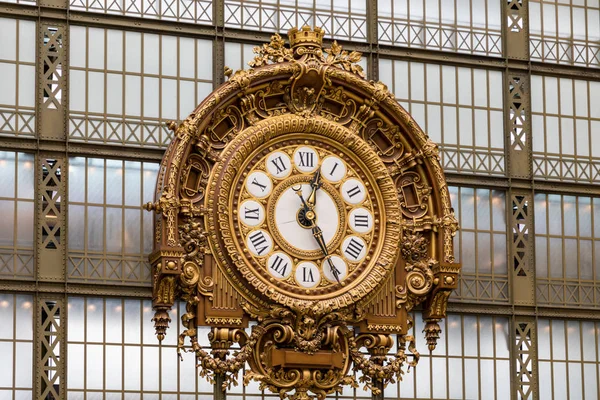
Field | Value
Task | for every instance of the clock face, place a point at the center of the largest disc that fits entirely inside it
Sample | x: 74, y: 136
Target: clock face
x: 307, y: 214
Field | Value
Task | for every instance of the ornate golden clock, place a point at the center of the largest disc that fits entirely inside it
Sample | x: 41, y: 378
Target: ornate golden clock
x: 309, y: 218
x: 303, y: 197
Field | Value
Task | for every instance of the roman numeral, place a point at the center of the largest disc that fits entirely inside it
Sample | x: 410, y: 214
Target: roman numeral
x: 307, y: 275
x: 279, y: 266
x: 251, y: 213
x: 279, y: 164
x: 333, y: 169
x: 307, y: 159
x: 258, y: 239
x: 354, y: 191
x: 361, y: 221
x: 260, y: 185
x: 354, y: 248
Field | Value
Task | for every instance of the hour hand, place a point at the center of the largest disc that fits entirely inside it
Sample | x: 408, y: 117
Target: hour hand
x: 315, y: 183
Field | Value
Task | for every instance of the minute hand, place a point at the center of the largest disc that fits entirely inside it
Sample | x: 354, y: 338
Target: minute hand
x: 318, y: 234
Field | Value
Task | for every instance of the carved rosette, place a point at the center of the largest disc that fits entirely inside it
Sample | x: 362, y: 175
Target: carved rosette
x: 304, y: 348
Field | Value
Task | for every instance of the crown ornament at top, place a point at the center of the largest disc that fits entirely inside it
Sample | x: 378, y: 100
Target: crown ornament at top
x: 306, y: 36
x: 306, y: 42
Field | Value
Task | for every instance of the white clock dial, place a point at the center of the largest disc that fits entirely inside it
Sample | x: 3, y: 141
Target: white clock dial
x: 354, y: 249
x: 259, y: 242
x: 307, y: 275
x: 259, y: 184
x: 306, y: 159
x: 280, y: 265
x: 339, y: 264
x: 333, y: 169
x: 279, y: 164
x: 286, y: 211
x: 353, y: 191
x: 360, y: 220
x: 251, y: 213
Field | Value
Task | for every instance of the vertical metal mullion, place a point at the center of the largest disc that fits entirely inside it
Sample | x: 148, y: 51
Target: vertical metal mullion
x: 566, y: 327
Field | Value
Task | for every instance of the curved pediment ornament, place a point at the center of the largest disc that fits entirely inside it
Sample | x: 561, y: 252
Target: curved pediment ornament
x: 301, y: 213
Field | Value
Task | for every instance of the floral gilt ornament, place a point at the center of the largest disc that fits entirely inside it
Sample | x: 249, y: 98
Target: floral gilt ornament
x: 302, y: 214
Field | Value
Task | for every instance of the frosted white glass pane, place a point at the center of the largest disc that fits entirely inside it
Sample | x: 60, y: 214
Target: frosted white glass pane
x: 573, y: 340
x: 95, y: 228
x: 114, y: 42
x: 114, y: 94
x: 95, y: 319
x: 6, y: 366
x: 560, y: 380
x: 496, y: 129
x: 464, y: 84
x: 132, y: 368
x: 496, y: 89
x: 151, y: 97
x: 150, y: 370
x: 113, y: 367
x: 487, y: 379
x: 96, y: 91
x: 590, y: 381
x: 434, y: 119
x: 449, y: 125
x: 114, y: 229
x: 169, y: 55
x: 422, y: 378
x: 418, y: 113
x: 471, y: 337
x: 481, y: 128
x: 233, y: 56
x: 8, y: 32
x: 76, y: 227
x: 77, y: 90
x: 94, y: 366
x: 433, y: 83
x: 581, y: 98
x: 23, y: 365
x: 27, y: 37
x: 114, y: 321
x: 486, y: 344
x: 558, y: 340
x: 582, y: 138
x: 76, y: 320
x: 480, y: 87
x: 76, y: 367
x: 149, y: 336
x: 502, y: 379
x: 133, y: 183
x: 594, y: 100
x: 385, y: 72
x: 187, y: 98
x: 150, y: 173
x: 6, y: 316
x: 27, y: 85
x: 8, y: 84
x: 169, y: 369
x: 439, y: 377
x: 133, y: 54
x: 465, y: 118
x: 24, y: 319
x: 25, y: 224
x: 455, y: 378
x: 96, y: 42
x: 551, y: 94
x: 471, y: 384
x: 114, y: 182
x: 7, y: 213
x: 203, y: 90
x: 187, y: 52
x: 132, y: 95
x: 545, y: 371
x: 132, y: 321
x: 588, y: 332
x: 417, y: 76
x: 401, y: 80
x: 169, y: 99
x: 566, y: 96
x: 132, y: 231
